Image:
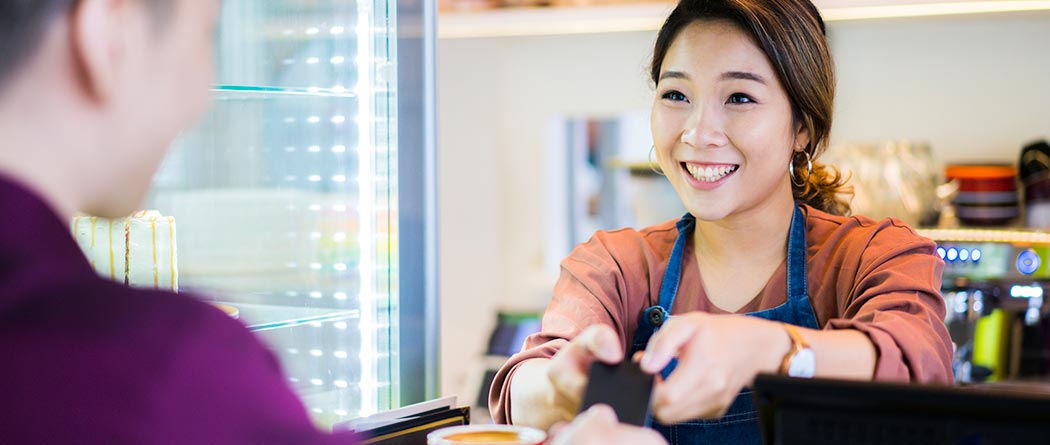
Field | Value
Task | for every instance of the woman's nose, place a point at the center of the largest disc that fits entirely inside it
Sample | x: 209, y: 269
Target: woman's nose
x: 704, y: 130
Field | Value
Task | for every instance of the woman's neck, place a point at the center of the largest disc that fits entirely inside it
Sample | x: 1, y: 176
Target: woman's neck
x: 756, y: 236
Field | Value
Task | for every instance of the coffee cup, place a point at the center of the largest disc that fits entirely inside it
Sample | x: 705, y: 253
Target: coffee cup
x: 486, y: 434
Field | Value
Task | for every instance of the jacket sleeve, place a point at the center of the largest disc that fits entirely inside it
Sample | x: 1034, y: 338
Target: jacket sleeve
x: 894, y: 297
x: 590, y: 290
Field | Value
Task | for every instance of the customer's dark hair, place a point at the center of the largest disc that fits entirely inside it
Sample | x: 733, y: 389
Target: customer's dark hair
x: 791, y: 34
x: 23, y: 23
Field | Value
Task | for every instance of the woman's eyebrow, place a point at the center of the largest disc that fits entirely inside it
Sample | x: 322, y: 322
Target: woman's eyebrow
x: 674, y: 75
x: 743, y: 75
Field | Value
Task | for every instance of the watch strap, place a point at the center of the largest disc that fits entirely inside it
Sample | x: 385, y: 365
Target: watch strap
x: 798, y: 344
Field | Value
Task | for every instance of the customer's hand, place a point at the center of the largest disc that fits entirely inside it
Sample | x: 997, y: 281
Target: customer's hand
x: 717, y: 356
x: 598, y: 426
x: 568, y: 368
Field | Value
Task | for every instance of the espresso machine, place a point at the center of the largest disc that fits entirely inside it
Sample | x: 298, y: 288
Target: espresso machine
x: 995, y: 289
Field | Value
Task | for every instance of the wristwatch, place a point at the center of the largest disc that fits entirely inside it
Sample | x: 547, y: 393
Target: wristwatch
x: 799, y: 361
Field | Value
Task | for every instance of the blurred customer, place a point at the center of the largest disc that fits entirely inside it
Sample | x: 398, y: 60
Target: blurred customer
x: 91, y: 94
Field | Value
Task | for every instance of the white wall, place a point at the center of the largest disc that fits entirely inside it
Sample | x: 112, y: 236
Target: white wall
x: 470, y: 218
x: 975, y: 87
x: 494, y: 98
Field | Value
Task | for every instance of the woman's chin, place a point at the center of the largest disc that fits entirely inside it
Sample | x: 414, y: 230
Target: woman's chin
x: 708, y: 211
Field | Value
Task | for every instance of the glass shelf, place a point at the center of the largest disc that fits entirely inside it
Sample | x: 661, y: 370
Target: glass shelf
x: 263, y: 317
x: 289, y: 32
x: 237, y: 91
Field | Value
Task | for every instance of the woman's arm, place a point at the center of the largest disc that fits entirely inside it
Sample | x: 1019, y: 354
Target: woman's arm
x: 532, y: 396
x: 589, y: 317
x: 840, y: 354
x: 546, y: 391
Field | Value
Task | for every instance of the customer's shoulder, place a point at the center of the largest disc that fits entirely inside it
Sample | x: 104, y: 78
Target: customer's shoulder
x: 99, y: 310
x: 183, y: 315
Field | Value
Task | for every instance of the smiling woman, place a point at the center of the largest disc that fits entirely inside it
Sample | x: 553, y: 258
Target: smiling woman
x: 722, y: 123
x: 804, y: 72
x: 742, y: 110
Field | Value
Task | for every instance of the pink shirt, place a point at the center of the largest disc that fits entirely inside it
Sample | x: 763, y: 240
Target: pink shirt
x: 878, y: 277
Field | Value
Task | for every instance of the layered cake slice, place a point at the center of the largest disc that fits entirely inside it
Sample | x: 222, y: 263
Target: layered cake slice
x: 138, y: 250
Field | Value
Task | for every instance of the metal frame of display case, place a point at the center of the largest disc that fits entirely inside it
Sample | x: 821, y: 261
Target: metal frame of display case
x: 416, y: 25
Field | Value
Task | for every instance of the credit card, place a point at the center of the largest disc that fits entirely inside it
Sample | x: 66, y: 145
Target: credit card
x: 624, y: 387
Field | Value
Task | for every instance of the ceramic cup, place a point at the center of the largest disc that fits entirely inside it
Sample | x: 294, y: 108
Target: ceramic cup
x: 487, y: 434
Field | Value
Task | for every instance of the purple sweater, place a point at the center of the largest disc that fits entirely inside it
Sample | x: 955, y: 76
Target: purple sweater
x: 88, y: 361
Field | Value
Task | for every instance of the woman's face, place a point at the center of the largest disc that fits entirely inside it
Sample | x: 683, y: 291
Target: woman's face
x: 722, y: 123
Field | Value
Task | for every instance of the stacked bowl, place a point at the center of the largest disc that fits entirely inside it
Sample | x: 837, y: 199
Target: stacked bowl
x: 1035, y: 175
x: 987, y: 193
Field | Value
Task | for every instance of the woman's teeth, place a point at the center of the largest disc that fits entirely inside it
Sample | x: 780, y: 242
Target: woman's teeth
x: 709, y: 174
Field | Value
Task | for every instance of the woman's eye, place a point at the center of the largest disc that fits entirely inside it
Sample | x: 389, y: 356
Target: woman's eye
x: 740, y: 98
x: 674, y: 96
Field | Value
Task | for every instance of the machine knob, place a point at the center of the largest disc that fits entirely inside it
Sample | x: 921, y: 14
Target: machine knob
x: 1028, y: 262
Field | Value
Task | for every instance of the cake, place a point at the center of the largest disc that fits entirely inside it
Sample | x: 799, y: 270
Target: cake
x: 138, y: 250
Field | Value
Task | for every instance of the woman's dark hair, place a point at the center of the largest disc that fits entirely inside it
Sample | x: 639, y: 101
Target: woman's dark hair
x: 792, y: 35
x: 23, y: 23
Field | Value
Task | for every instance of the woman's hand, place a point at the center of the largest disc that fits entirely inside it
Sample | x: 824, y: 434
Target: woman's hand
x: 546, y: 391
x: 598, y: 426
x: 568, y: 369
x: 717, y: 356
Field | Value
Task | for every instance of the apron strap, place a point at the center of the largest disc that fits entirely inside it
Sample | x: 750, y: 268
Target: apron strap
x: 796, y: 257
x: 798, y: 300
x: 653, y: 317
x: 673, y: 274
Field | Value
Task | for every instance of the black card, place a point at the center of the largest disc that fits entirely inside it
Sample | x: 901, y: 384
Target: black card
x: 624, y: 387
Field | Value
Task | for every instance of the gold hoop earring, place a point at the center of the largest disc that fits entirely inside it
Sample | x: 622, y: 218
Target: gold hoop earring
x: 657, y: 170
x: 809, y: 170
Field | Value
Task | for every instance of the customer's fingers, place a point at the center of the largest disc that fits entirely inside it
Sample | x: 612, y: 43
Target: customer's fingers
x: 598, y: 426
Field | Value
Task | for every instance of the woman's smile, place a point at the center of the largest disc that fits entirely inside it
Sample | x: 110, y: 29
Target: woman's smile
x: 707, y: 176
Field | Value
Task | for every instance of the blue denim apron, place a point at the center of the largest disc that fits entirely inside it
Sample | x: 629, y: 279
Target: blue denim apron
x: 740, y: 424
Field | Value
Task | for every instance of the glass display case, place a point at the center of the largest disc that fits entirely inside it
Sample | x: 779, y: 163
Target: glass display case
x: 293, y: 204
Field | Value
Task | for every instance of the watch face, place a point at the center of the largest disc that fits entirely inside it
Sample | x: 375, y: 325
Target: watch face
x: 803, y: 364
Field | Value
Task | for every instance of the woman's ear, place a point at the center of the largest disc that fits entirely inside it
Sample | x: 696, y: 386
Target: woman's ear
x: 97, y: 36
x: 801, y: 138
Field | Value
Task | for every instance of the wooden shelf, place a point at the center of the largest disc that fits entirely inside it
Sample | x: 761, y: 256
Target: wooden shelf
x: 649, y: 16
x: 552, y: 21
